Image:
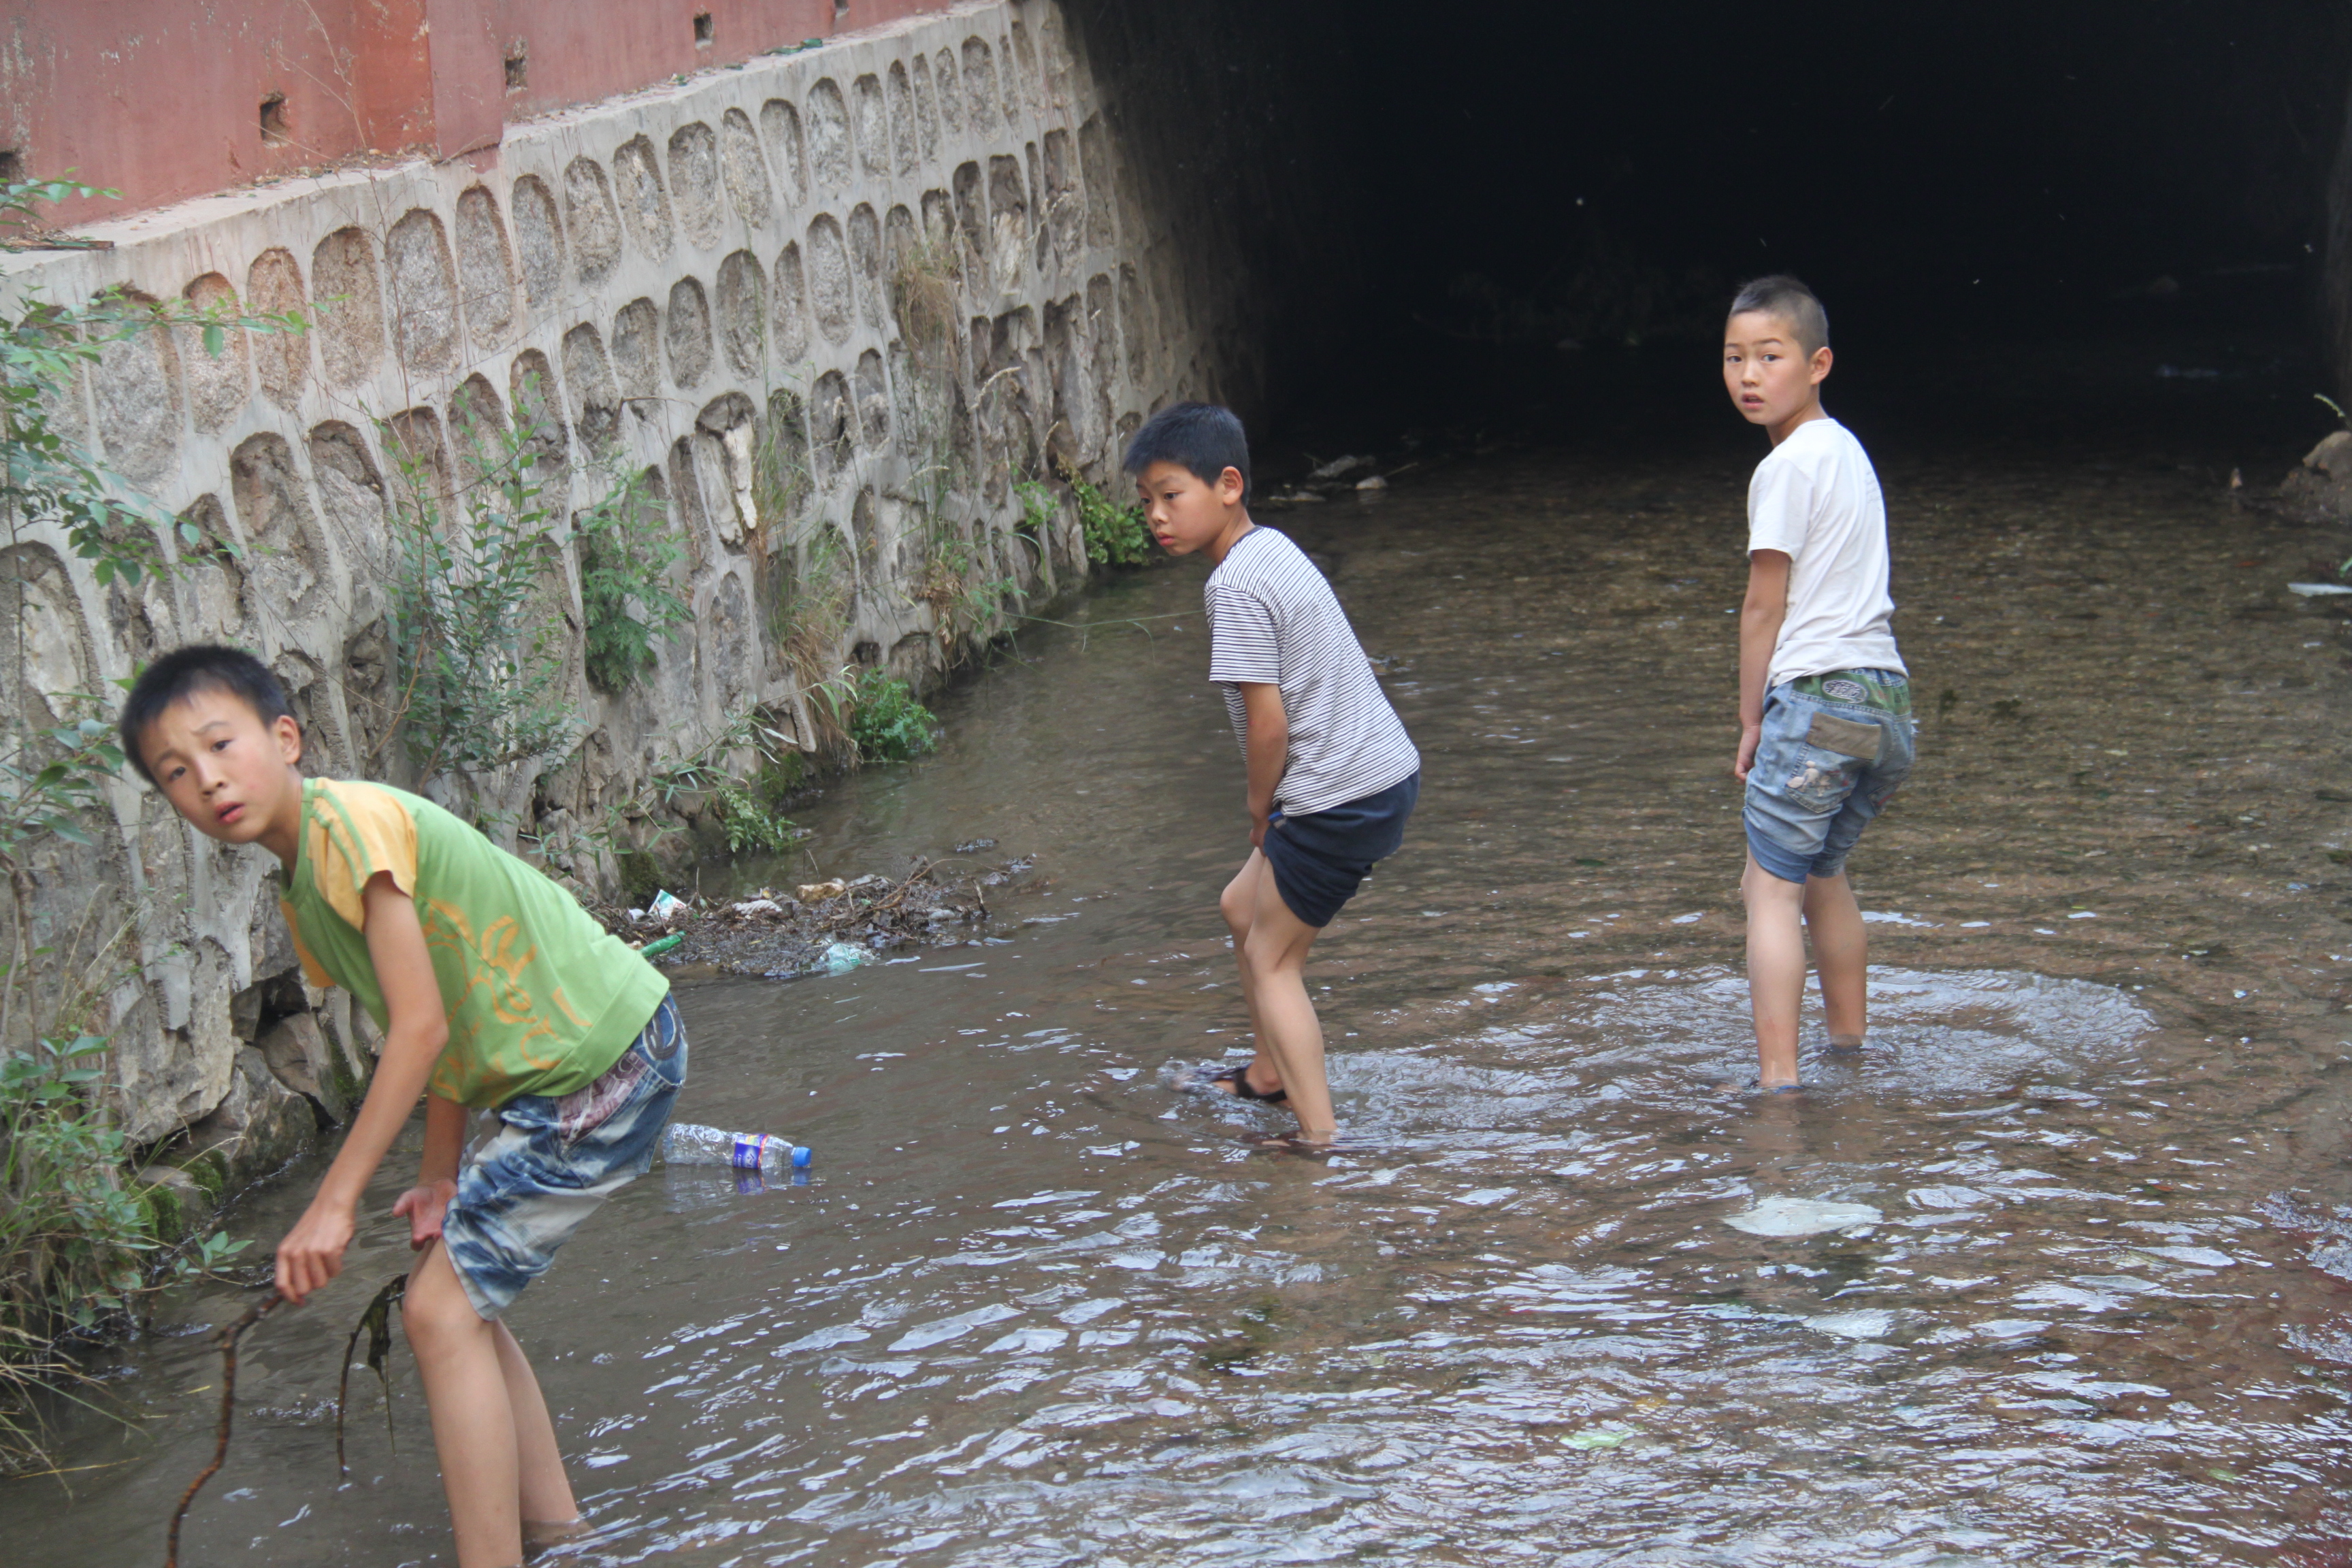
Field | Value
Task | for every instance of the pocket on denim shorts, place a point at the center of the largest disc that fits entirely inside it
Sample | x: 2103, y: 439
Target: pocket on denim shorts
x: 1845, y: 737
x: 1820, y: 781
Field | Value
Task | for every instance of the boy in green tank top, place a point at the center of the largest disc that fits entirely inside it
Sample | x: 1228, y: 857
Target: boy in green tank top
x: 495, y: 991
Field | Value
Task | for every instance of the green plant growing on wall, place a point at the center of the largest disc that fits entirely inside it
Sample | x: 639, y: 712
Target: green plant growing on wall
x: 748, y: 810
x: 962, y: 603
x: 626, y: 551
x: 1039, y: 507
x: 481, y: 670
x: 82, y: 1228
x: 1115, y: 535
x: 481, y: 678
x: 813, y: 619
x: 886, y: 723
x: 74, y: 1240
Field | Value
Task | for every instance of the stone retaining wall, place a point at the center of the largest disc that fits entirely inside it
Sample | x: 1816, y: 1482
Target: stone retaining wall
x: 909, y: 262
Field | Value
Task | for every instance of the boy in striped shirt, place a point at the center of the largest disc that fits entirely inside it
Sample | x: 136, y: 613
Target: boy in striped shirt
x: 1332, y: 774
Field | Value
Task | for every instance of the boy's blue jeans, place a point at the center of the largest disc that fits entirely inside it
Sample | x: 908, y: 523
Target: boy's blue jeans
x: 553, y: 1163
x: 1835, y: 749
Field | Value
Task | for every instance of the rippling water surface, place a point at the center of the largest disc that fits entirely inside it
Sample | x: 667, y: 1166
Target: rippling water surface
x: 2074, y: 1304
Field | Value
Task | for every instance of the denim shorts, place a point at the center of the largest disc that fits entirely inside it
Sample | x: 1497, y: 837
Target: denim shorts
x: 1321, y: 858
x: 552, y: 1161
x: 1834, y: 750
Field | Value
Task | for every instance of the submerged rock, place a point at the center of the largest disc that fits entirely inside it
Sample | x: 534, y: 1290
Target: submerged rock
x: 2320, y: 490
x: 1802, y: 1216
x: 1869, y: 1323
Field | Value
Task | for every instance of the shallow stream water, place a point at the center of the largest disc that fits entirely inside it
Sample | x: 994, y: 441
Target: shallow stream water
x: 1037, y: 1309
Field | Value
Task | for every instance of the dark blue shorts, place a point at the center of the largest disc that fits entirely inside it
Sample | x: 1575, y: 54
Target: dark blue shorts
x: 1320, y: 860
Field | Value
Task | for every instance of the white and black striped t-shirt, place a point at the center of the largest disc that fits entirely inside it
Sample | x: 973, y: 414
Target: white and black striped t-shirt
x: 1272, y: 618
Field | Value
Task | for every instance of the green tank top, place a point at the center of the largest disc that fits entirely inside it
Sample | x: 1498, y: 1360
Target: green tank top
x: 540, y: 998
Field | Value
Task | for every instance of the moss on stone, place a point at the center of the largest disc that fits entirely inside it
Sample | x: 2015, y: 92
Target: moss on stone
x: 640, y: 877
x: 210, y: 1171
x: 164, y: 1216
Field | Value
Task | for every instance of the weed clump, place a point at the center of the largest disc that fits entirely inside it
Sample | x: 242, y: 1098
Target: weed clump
x: 1115, y: 535
x: 625, y: 555
x: 887, y: 725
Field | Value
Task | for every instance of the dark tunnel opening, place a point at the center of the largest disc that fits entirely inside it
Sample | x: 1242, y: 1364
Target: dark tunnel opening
x: 1530, y: 219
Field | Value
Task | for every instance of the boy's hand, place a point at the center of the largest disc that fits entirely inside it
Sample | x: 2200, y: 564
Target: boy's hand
x: 1746, y: 762
x: 312, y: 1252
x: 1258, y: 832
x: 424, y: 1206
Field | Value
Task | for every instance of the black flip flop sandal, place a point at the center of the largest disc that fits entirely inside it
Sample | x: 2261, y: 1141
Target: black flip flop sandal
x: 1237, y: 1083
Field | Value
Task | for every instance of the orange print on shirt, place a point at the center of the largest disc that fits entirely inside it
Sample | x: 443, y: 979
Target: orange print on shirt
x: 490, y: 961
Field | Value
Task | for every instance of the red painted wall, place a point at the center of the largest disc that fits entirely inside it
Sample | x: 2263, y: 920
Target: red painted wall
x: 163, y: 100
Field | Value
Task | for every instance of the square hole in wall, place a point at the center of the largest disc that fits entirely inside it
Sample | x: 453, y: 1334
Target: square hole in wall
x: 517, y: 66
x: 12, y: 165
x: 703, y: 32
x: 273, y: 119
x: 840, y: 9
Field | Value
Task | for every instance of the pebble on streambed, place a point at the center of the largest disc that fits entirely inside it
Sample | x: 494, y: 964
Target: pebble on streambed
x: 814, y: 929
x: 1783, y: 1216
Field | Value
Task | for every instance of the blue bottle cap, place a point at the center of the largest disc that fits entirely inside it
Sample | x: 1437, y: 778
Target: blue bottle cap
x: 800, y: 1158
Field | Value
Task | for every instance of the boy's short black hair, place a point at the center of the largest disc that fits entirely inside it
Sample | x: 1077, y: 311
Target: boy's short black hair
x: 1788, y: 299
x: 181, y: 674
x: 1204, y: 437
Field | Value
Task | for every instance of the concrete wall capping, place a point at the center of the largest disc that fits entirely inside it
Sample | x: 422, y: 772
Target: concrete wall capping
x: 909, y: 248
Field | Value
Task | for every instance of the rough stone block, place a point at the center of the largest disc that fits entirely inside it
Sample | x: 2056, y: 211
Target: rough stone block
x: 179, y: 1202
x: 300, y: 1058
x: 259, y: 1126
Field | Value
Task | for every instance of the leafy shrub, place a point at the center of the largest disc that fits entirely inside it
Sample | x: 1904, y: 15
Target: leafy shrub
x: 65, y: 1206
x: 1038, y: 507
x: 625, y: 554
x: 482, y: 675
x: 749, y: 810
x: 1115, y: 535
x: 750, y: 821
x: 78, y: 1238
x: 886, y: 723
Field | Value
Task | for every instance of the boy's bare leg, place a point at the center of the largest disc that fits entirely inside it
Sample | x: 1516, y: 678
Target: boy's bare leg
x: 1840, y: 957
x: 1775, y: 970
x: 474, y: 1425
x: 548, y: 1512
x: 1239, y: 906
x: 1274, y: 964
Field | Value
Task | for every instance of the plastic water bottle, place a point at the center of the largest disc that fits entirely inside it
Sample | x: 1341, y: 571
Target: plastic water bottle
x: 689, y: 1143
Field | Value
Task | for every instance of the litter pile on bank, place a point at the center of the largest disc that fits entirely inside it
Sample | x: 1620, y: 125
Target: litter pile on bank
x: 819, y: 926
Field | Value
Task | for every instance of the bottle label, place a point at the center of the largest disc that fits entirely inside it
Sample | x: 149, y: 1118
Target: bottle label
x: 748, y: 1150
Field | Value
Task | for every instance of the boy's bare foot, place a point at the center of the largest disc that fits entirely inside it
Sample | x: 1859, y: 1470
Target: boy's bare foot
x: 1298, y: 1143
x: 1758, y: 1086
x: 542, y: 1536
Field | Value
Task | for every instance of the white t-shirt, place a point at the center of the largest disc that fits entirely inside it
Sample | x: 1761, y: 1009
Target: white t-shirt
x: 1816, y: 499
x: 1272, y: 618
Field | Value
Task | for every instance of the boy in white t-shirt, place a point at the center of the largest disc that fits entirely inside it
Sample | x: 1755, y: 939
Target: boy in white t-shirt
x: 1825, y: 729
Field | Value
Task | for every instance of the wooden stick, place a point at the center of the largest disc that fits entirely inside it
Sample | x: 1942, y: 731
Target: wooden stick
x: 228, y: 1339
